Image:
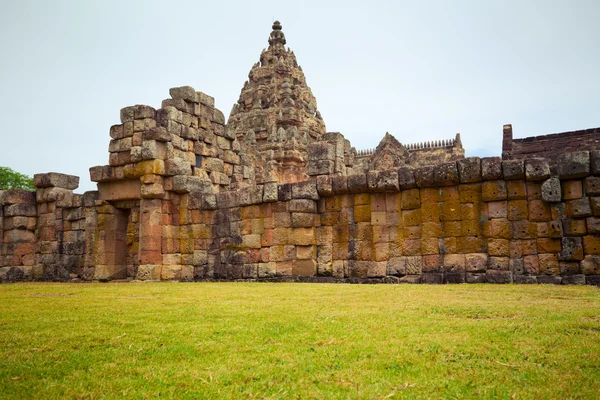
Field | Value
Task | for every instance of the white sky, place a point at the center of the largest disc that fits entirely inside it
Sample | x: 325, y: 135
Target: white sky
x: 422, y: 70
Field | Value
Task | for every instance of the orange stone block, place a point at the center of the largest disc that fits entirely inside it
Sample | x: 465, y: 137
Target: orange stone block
x: 430, y: 195
x: 451, y: 228
x: 498, y: 247
x: 591, y: 245
x: 517, y: 190
x: 539, y: 211
x: 469, y: 228
x: 520, y: 248
x: 392, y: 202
x: 469, y: 244
x: 450, y: 193
x: 411, y: 217
x: 362, y: 199
x: 469, y: 193
x: 450, y: 211
x: 378, y: 202
x: 534, y: 191
x: 574, y: 227
x: 333, y: 203
x: 493, y: 191
x: 362, y: 213
x: 411, y: 232
x: 524, y: 230
x: 430, y: 246
x: 431, y: 229
x: 500, y: 228
x: 381, y: 234
x: 497, y: 209
x: 410, y: 199
x: 430, y: 212
x: 411, y: 247
x: 330, y: 218
x: 548, y: 264
x: 378, y: 218
x: 517, y: 210
x: 448, y: 245
x: 382, y: 251
x: 531, y: 264
x: 572, y: 190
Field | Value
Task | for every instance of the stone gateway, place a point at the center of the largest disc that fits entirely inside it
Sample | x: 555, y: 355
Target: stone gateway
x: 272, y: 195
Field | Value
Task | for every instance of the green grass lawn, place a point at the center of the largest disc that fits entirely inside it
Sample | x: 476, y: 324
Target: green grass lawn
x: 260, y: 340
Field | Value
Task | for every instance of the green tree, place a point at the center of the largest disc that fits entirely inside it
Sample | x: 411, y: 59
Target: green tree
x: 10, y: 179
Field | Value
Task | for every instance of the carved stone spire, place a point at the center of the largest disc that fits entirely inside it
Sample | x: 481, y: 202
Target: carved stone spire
x: 276, y: 97
x: 277, y: 36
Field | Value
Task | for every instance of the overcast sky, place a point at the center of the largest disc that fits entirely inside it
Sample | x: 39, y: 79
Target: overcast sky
x: 421, y: 70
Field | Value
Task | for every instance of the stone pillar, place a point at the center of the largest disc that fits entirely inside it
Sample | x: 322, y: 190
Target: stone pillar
x: 507, y: 142
x: 150, y: 251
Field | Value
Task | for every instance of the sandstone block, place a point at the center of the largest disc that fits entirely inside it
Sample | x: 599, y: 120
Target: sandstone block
x: 517, y: 209
x: 321, y: 151
x: 578, y: 208
x: 493, y: 191
x: 454, y: 263
x: 551, y: 191
x: 270, y: 192
x: 324, y: 186
x: 537, y: 169
x: 491, y: 168
x: 595, y: 162
x: 186, y: 93
x: 572, y: 189
x: 590, y: 265
x: 498, y: 263
x: 469, y: 170
x: 573, y: 165
x: 498, y: 247
x: 513, y: 169
x: 517, y: 190
x: 571, y: 249
x: 498, y: 276
x: 54, y: 179
x: 305, y: 190
x: 339, y: 184
x: 406, y: 177
x: 188, y: 184
x: 383, y: 181
x: 445, y: 174
x: 304, y: 268
x: 476, y: 262
x: 424, y: 176
x: 27, y: 210
x: 357, y: 183
x: 147, y: 272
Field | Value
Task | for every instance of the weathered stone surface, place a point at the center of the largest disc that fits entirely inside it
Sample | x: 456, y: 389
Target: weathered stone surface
x: 187, y: 184
x: 383, y: 181
x: 491, y: 168
x: 469, y: 170
x: 513, y: 169
x: 424, y: 176
x: 54, y: 179
x: 406, y: 177
x: 537, y: 169
x: 305, y: 190
x: 357, y: 183
x: 573, y: 165
x: 186, y: 93
x: 445, y: 174
x: 551, y: 191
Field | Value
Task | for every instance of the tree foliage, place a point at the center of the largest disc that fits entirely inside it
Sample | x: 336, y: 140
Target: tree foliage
x: 10, y: 179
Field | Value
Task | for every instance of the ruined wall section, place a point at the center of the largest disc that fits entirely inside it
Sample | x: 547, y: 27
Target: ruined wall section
x: 47, y: 234
x: 548, y: 146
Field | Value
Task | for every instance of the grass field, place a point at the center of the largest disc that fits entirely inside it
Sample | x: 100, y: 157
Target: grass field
x: 259, y: 340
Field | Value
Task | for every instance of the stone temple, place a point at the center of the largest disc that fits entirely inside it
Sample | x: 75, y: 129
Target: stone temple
x: 270, y: 194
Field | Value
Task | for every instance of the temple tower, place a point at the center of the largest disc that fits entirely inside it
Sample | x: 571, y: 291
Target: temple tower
x: 276, y: 116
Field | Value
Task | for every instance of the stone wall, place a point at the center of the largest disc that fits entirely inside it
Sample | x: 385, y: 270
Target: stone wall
x: 548, y: 146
